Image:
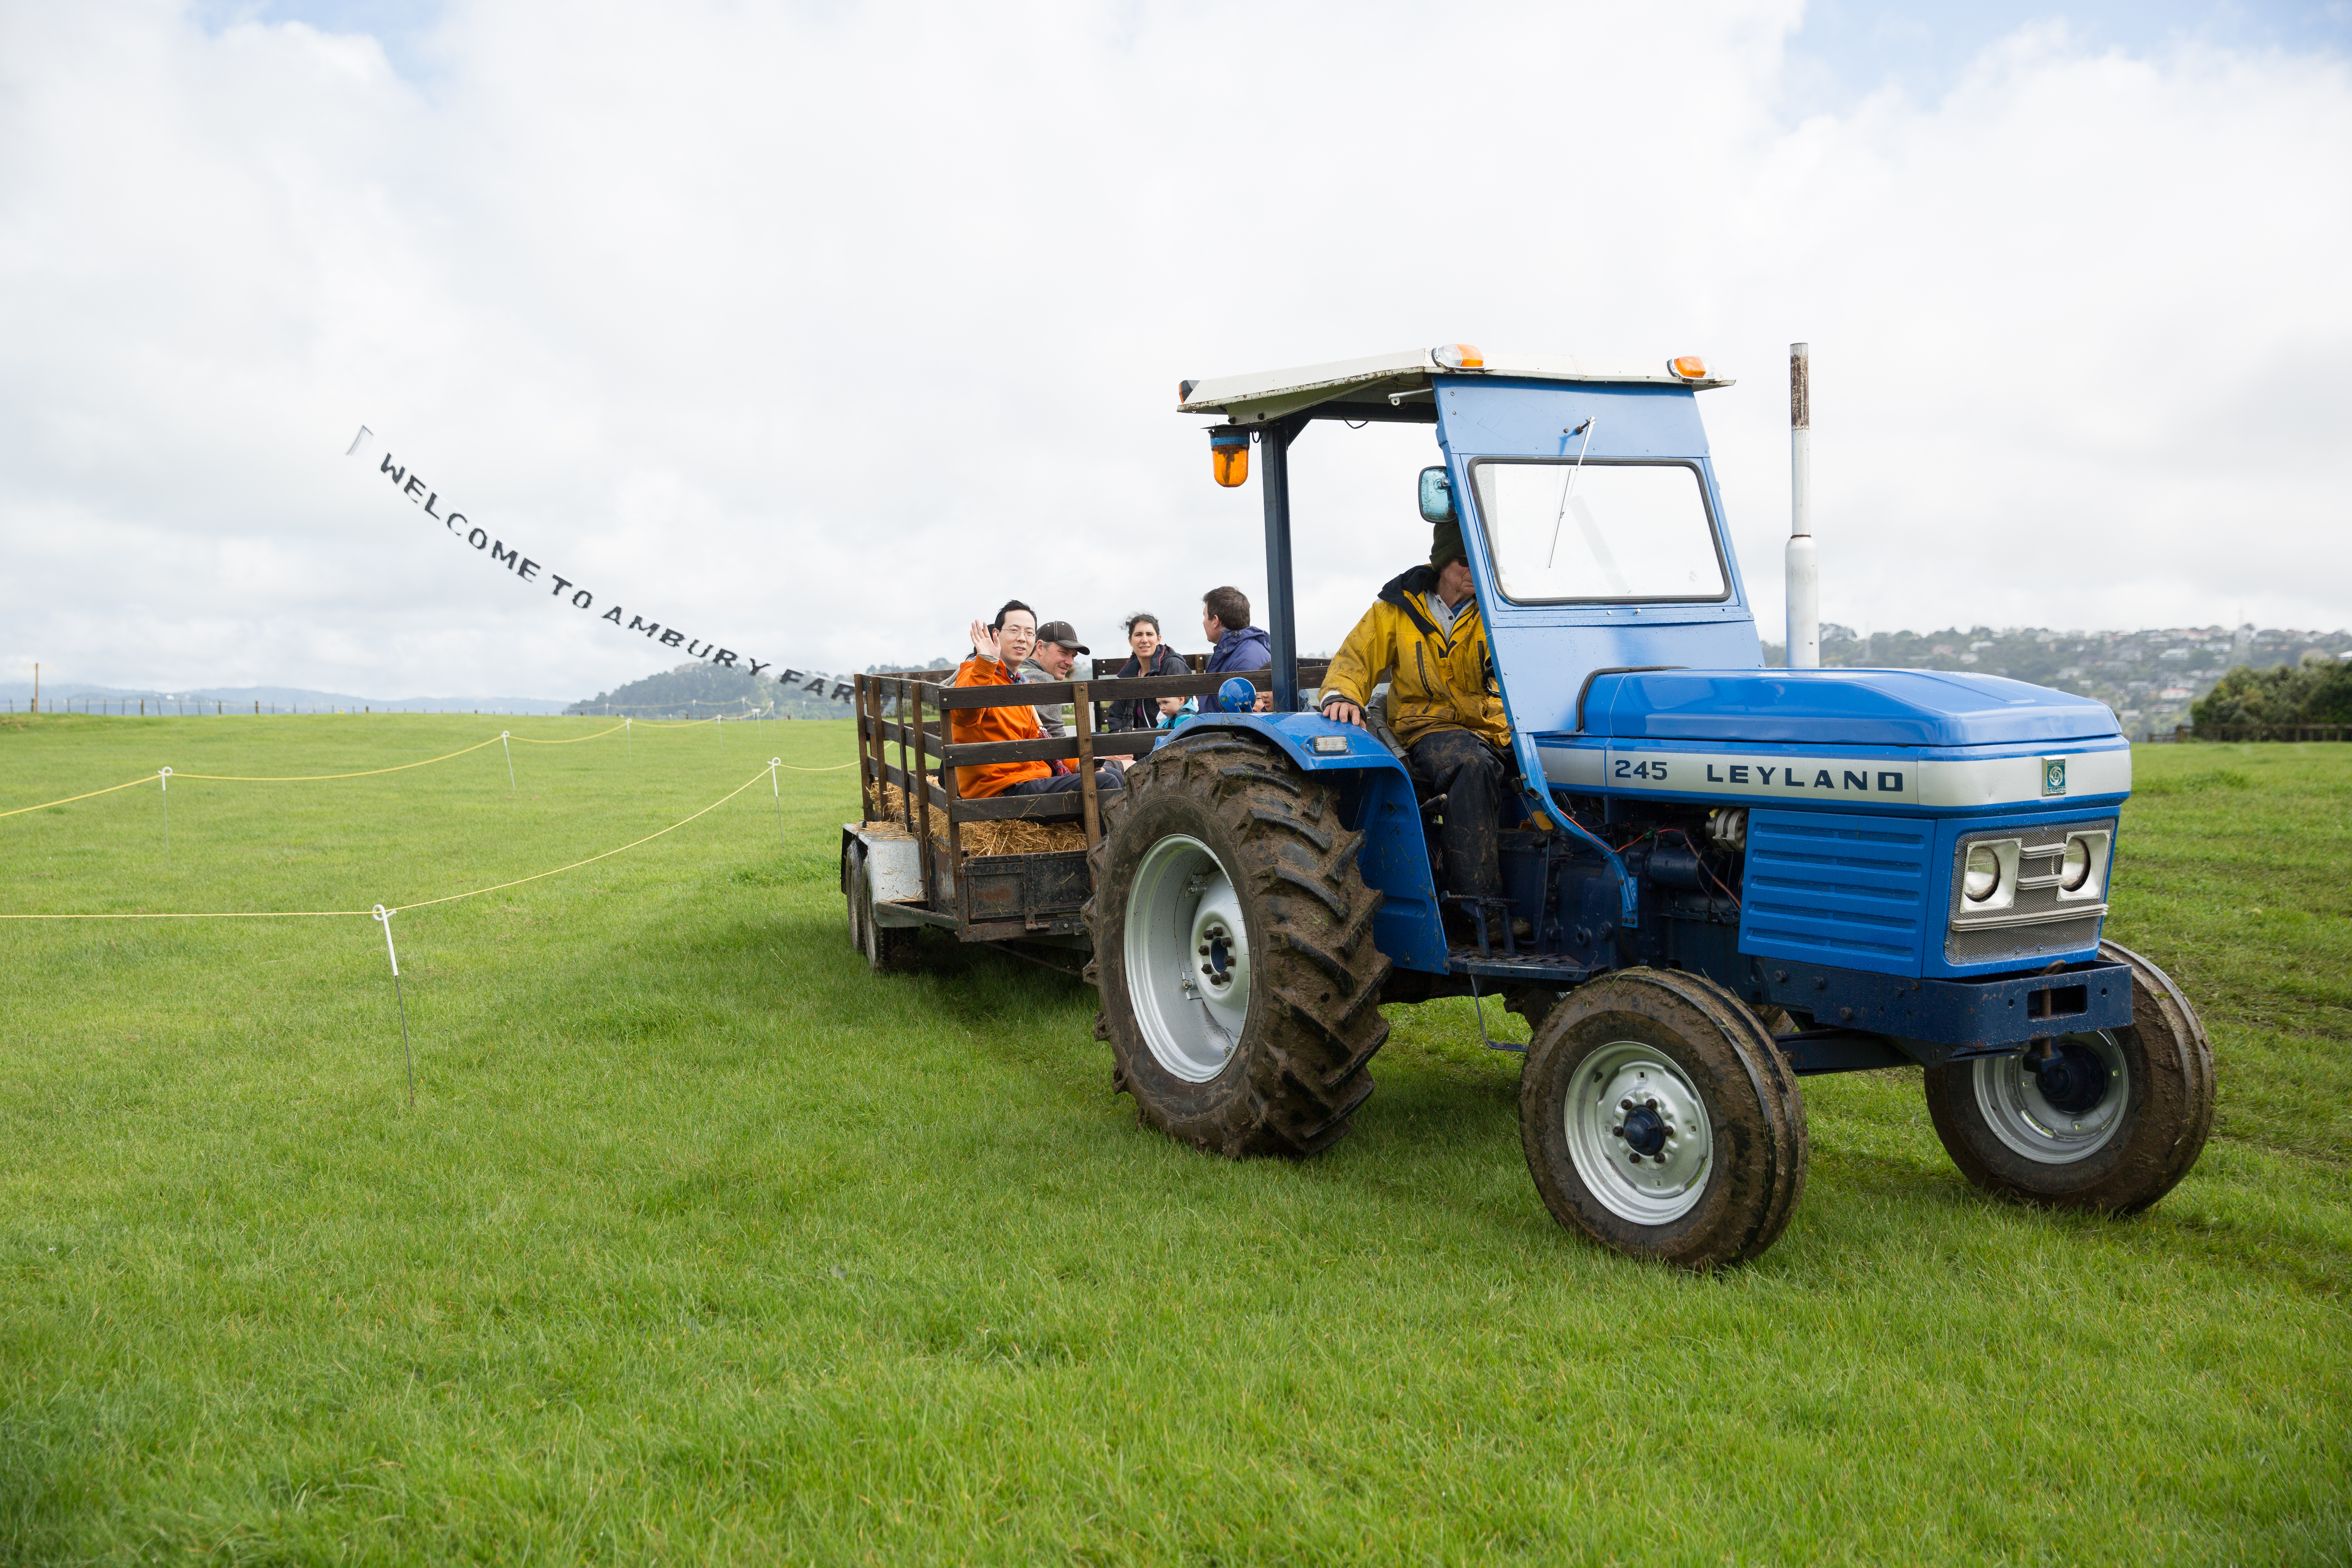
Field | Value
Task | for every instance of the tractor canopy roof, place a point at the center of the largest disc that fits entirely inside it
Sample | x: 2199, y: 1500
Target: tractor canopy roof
x: 1400, y: 380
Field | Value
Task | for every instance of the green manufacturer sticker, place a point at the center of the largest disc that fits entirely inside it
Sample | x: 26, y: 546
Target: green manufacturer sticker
x: 2053, y: 775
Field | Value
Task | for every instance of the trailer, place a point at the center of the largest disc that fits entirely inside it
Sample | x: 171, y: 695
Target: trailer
x: 1718, y: 879
x: 908, y: 867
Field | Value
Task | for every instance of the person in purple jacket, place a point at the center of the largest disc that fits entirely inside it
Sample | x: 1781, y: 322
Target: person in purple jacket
x: 1236, y: 646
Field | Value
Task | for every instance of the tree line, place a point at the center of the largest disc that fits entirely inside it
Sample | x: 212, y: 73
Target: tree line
x: 2317, y: 691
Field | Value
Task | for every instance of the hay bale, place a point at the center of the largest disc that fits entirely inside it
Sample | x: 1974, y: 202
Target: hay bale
x: 1021, y: 837
x: 887, y: 809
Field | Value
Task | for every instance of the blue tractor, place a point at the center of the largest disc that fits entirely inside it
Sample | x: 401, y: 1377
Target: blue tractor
x: 1717, y: 877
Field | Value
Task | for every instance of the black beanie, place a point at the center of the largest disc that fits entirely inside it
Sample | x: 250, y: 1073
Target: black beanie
x: 1445, y: 545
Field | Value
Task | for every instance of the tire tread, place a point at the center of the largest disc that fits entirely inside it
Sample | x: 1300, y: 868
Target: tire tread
x: 1315, y: 964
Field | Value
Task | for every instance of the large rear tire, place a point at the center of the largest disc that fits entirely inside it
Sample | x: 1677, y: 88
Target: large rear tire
x: 1659, y: 1119
x: 1234, y: 951
x: 2111, y: 1120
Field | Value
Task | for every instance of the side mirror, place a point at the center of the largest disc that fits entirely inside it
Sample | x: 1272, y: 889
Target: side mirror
x: 1436, y: 496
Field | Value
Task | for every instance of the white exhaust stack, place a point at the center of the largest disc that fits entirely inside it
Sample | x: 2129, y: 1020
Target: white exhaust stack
x: 1804, y: 573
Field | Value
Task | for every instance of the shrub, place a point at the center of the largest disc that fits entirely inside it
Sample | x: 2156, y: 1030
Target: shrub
x: 2284, y: 694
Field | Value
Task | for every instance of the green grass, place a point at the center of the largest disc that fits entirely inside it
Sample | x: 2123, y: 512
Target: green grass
x: 701, y: 1243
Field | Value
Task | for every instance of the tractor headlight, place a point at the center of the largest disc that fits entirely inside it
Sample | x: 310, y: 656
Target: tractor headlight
x: 1989, y: 875
x: 1983, y: 874
x: 2082, y: 865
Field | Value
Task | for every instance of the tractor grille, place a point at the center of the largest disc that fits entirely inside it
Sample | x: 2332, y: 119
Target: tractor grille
x: 2038, y: 923
x: 1826, y: 888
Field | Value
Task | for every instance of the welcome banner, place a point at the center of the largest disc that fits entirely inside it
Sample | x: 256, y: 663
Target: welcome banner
x: 411, y: 486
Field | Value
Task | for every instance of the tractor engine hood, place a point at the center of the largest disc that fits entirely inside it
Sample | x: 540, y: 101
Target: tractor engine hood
x: 1836, y: 707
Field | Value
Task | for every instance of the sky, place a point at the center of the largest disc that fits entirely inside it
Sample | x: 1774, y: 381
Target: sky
x: 816, y: 330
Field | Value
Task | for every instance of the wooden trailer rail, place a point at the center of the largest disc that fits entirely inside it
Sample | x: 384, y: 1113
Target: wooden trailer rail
x: 906, y: 712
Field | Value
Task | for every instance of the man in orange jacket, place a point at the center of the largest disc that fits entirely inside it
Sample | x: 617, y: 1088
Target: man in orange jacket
x: 998, y: 649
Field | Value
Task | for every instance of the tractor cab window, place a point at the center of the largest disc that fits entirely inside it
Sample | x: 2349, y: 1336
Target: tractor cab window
x: 1562, y: 531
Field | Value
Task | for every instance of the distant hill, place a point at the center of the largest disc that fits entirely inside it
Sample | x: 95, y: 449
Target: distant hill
x: 2148, y: 677
x: 698, y: 690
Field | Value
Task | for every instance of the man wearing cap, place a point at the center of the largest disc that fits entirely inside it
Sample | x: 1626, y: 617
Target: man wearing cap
x: 995, y: 647
x: 1424, y: 635
x: 1056, y: 656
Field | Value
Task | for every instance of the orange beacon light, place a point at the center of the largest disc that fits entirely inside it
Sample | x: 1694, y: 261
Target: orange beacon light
x: 1229, y: 453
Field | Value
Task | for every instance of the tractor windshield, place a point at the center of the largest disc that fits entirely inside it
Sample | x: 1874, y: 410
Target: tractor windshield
x: 1561, y: 530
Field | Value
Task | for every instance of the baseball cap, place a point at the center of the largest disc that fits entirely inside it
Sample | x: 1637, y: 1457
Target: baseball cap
x: 1063, y: 634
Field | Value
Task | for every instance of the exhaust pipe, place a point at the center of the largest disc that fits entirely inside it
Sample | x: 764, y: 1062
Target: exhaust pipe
x: 1804, y: 571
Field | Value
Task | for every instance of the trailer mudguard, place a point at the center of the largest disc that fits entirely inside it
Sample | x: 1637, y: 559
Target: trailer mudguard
x: 1376, y: 799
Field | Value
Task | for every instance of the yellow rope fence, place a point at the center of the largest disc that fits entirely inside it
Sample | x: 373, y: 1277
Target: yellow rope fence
x: 422, y: 903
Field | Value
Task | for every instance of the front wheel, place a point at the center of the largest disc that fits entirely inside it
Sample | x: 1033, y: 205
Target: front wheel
x: 2110, y: 1119
x: 1658, y: 1118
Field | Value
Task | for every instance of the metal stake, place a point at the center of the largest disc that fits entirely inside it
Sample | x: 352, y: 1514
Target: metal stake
x: 383, y: 918
x: 773, y: 764
x: 511, y: 783
x: 1804, y: 563
x: 164, y: 775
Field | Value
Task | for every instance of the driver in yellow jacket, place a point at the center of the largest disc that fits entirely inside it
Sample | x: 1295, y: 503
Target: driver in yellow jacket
x: 1425, y: 634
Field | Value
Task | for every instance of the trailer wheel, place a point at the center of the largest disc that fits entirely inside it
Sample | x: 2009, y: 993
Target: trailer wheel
x: 2110, y: 1120
x: 852, y: 880
x: 1659, y: 1120
x: 1233, y: 940
x: 889, y: 950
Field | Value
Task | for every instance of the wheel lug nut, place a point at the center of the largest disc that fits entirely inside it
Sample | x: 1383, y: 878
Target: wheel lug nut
x: 1616, y: 1133
x: 1204, y: 949
x: 1625, y: 1105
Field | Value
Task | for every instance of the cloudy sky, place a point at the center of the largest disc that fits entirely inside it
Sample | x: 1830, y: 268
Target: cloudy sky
x: 816, y: 329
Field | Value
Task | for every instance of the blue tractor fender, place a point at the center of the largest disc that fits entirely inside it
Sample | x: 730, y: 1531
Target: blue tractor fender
x: 1377, y: 799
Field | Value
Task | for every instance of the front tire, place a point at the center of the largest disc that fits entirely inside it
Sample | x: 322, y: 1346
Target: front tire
x: 1234, y: 951
x: 1658, y: 1118
x: 2111, y: 1121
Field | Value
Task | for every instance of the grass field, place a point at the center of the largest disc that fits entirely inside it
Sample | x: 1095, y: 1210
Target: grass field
x: 702, y: 1244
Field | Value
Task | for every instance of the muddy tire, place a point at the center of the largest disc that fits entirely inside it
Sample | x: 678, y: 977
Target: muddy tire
x: 2112, y: 1122
x: 1659, y: 1120
x: 1234, y: 951
x: 1533, y: 1004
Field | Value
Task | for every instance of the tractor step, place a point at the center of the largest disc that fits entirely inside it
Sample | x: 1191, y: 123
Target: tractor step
x: 1526, y: 968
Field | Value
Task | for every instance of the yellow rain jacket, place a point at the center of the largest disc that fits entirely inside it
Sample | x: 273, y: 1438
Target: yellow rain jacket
x: 1436, y: 681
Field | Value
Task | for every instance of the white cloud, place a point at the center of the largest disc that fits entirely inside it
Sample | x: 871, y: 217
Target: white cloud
x: 823, y: 328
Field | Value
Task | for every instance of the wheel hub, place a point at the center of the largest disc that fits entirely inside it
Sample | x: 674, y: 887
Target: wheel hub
x: 1187, y: 958
x: 1644, y: 1130
x: 2063, y: 1107
x: 1639, y: 1134
x: 2072, y: 1078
